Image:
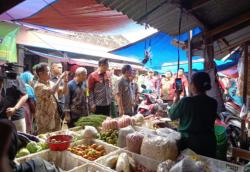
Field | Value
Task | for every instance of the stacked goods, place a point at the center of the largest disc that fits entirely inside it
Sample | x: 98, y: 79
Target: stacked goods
x: 110, y: 124
x: 109, y: 136
x: 91, y: 120
x: 159, y: 148
x: 123, y: 132
x: 134, y: 141
x: 91, y: 152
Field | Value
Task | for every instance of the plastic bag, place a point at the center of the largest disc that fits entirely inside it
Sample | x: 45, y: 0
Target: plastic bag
x: 90, y: 133
x: 123, y: 132
x: 188, y: 165
x: 159, y: 148
x: 165, y: 166
x: 167, y: 132
x: 243, y: 111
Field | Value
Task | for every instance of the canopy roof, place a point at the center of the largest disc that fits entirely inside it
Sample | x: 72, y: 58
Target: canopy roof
x: 165, y: 14
x: 165, y: 55
x: 76, y: 15
x: 161, y: 47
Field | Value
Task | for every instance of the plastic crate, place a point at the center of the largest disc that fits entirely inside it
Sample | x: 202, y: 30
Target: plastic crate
x: 223, y: 165
x: 148, y: 163
x: 76, y: 129
x: 91, y: 167
x: 63, y: 160
x: 108, y: 147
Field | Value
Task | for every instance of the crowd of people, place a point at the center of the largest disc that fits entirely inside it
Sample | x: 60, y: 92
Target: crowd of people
x: 39, y: 101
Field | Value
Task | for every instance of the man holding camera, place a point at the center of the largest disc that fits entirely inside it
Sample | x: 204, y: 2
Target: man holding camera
x: 12, y: 98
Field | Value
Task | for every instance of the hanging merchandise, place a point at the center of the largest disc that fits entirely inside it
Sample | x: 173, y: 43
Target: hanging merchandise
x: 147, y: 50
x: 240, y: 82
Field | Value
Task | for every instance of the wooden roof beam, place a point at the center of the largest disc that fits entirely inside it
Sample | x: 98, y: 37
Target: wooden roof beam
x: 238, y: 20
x: 193, y: 5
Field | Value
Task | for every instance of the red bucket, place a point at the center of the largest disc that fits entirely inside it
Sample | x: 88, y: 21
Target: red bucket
x: 59, y: 142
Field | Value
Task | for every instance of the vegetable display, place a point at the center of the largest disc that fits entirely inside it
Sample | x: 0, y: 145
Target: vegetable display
x: 32, y: 147
x: 109, y: 136
x: 91, y: 120
x: 91, y: 152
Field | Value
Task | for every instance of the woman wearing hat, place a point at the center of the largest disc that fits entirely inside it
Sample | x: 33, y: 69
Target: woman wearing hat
x: 197, y: 115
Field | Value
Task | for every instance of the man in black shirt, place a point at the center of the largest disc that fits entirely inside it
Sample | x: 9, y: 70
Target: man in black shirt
x: 13, y: 96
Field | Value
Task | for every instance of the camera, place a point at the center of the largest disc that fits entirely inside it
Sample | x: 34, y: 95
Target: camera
x: 9, y: 71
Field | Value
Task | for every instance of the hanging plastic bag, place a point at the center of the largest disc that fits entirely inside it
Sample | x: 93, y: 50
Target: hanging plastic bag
x: 243, y: 111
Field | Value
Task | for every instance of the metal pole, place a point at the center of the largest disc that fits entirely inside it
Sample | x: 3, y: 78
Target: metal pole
x: 190, y: 55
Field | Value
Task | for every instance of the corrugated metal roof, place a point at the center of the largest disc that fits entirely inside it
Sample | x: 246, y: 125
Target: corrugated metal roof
x: 164, y: 14
x: 223, y: 46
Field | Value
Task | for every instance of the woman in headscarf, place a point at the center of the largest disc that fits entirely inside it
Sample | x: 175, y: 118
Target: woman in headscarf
x: 29, y: 106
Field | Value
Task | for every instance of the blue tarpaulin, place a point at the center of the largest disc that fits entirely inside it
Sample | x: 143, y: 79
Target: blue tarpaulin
x: 165, y: 55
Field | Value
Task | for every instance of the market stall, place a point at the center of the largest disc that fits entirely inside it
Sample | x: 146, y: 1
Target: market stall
x: 125, y: 144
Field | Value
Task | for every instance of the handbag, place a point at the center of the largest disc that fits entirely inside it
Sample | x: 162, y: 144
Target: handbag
x: 59, y: 109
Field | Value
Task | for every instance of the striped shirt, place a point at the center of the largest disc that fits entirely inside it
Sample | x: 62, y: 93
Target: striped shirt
x: 100, y: 90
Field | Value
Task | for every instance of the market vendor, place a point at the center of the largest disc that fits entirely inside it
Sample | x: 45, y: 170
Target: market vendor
x: 197, y: 115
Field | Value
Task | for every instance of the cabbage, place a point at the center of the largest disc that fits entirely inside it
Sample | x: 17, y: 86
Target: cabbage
x: 22, y: 152
x: 33, y: 147
x: 43, y: 145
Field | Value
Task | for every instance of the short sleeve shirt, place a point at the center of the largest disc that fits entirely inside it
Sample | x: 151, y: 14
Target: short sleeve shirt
x: 125, y: 91
x: 47, y: 116
x: 11, y: 93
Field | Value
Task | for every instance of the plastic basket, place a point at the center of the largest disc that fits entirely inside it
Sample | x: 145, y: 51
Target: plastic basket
x: 91, y: 167
x: 148, y: 163
x: 64, y: 160
x: 108, y: 147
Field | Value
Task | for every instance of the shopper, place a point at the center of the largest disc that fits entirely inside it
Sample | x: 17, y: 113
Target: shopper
x: 197, y: 115
x: 47, y: 114
x: 150, y: 81
x: 29, y: 106
x: 135, y: 90
x: 56, y: 70
x: 125, y: 92
x: 12, y: 98
x: 76, y: 103
x: 167, y: 91
x: 99, y: 83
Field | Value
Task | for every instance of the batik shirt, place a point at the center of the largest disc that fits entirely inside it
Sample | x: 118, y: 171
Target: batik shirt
x: 100, y: 89
x: 47, y: 116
